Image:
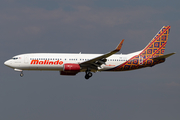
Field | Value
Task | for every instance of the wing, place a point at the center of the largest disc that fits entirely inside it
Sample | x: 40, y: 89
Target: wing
x: 94, y: 63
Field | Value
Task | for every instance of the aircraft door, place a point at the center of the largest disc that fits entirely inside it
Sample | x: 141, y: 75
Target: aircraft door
x: 26, y: 59
x: 140, y: 60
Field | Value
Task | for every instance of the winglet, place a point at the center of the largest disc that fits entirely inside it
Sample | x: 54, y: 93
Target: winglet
x: 118, y: 48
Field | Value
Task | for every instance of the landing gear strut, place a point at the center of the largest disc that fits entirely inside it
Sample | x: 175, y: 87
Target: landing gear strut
x: 21, y: 74
x: 88, y: 74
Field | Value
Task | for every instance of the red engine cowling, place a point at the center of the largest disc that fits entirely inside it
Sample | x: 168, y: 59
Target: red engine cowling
x: 71, y: 67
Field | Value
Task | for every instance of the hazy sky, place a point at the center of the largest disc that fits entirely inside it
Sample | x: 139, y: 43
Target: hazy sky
x: 96, y: 26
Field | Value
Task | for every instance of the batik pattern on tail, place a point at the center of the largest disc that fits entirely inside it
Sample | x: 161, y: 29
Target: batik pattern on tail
x: 155, y: 48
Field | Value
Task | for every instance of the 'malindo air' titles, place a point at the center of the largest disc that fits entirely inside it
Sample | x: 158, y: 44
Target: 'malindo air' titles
x: 46, y: 62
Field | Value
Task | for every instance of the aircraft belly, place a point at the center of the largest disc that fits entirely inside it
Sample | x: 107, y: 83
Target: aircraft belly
x: 104, y: 68
x: 45, y: 67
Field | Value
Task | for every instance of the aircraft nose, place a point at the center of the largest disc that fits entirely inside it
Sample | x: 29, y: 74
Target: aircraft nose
x: 7, y: 63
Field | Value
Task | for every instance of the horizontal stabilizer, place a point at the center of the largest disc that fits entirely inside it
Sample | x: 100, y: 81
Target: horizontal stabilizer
x: 163, y: 56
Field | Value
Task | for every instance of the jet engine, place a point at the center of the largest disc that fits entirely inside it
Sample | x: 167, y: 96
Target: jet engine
x: 71, y: 67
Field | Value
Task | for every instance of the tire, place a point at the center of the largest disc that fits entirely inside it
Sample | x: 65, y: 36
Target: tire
x: 86, y: 76
x: 90, y: 74
x: 21, y: 74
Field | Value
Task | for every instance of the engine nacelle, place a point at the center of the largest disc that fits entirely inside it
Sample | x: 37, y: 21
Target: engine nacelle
x: 71, y: 67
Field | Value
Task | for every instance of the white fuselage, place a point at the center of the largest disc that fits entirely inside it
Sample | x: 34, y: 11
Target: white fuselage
x: 55, y: 61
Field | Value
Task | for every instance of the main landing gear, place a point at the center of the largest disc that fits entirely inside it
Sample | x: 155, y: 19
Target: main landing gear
x: 21, y: 74
x: 88, y: 74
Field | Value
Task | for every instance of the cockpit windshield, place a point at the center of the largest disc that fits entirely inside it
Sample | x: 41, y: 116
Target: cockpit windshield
x: 15, y: 58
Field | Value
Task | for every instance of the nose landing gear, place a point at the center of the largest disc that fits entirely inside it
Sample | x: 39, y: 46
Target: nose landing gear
x: 21, y: 74
x: 19, y: 70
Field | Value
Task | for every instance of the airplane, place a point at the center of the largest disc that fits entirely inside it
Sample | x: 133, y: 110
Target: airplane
x: 70, y: 64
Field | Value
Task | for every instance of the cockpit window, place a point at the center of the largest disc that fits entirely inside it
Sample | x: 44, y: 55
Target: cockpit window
x: 15, y: 58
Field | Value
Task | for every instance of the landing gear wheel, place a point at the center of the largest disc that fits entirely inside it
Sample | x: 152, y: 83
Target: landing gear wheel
x: 88, y: 75
x: 21, y: 74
